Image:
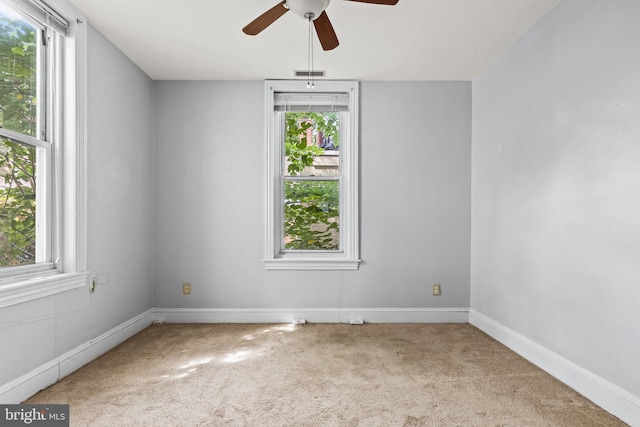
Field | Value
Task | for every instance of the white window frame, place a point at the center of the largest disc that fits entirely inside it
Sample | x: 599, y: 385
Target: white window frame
x: 348, y: 257
x: 68, y: 195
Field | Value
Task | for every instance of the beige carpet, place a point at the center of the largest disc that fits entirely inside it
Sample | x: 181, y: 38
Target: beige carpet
x: 317, y: 375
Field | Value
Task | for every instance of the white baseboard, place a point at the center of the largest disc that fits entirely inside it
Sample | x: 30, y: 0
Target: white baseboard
x: 91, y: 350
x: 27, y: 385
x: 313, y: 315
x: 603, y: 393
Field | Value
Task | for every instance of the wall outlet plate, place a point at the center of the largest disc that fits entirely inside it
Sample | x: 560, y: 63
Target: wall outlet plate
x: 186, y: 289
x: 436, y: 290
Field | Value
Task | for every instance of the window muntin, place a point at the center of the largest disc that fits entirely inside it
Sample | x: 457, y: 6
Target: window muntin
x: 312, y: 176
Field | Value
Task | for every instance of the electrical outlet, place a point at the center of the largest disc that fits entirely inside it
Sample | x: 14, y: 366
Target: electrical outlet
x: 186, y: 288
x: 435, y: 290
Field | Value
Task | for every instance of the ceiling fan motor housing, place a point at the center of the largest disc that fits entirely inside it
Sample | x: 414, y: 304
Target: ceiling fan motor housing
x: 304, y: 7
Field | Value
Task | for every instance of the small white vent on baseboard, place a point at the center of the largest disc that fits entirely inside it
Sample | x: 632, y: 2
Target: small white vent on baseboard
x: 309, y: 73
x: 356, y: 322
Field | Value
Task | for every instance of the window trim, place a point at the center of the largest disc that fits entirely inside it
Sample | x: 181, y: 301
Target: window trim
x: 348, y: 257
x: 19, y: 285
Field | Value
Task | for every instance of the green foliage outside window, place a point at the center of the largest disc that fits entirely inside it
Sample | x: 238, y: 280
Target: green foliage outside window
x: 298, y: 150
x: 17, y: 161
x: 311, y: 212
x: 311, y: 207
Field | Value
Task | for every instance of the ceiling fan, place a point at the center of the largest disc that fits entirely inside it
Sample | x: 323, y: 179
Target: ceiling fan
x: 312, y: 10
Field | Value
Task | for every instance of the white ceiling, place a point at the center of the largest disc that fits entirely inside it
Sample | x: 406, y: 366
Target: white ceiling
x: 413, y: 40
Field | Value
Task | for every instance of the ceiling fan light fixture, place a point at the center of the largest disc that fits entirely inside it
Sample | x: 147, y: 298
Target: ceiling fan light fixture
x: 304, y: 8
x: 310, y: 11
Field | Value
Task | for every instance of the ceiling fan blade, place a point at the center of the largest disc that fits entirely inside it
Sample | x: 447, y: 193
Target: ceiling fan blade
x: 263, y: 21
x: 389, y: 2
x: 326, y: 33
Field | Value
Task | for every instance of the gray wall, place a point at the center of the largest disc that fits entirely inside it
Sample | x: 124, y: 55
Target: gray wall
x: 120, y: 223
x: 415, y: 200
x: 556, y: 187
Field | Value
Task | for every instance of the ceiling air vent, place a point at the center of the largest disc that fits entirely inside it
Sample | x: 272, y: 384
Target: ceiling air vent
x: 307, y: 74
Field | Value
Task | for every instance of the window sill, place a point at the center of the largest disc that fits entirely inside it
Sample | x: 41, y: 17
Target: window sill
x: 38, y: 287
x: 311, y: 264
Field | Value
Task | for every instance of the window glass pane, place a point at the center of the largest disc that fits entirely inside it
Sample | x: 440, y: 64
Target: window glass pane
x: 17, y: 204
x: 311, y: 215
x: 312, y: 142
x: 18, y: 112
x: 18, y: 75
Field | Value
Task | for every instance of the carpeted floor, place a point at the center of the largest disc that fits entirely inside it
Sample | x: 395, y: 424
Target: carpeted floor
x: 317, y: 375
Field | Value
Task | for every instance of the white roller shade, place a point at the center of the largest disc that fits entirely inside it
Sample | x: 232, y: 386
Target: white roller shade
x: 320, y: 102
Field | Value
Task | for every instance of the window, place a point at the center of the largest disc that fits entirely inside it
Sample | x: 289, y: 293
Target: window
x: 312, y: 176
x: 42, y: 213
